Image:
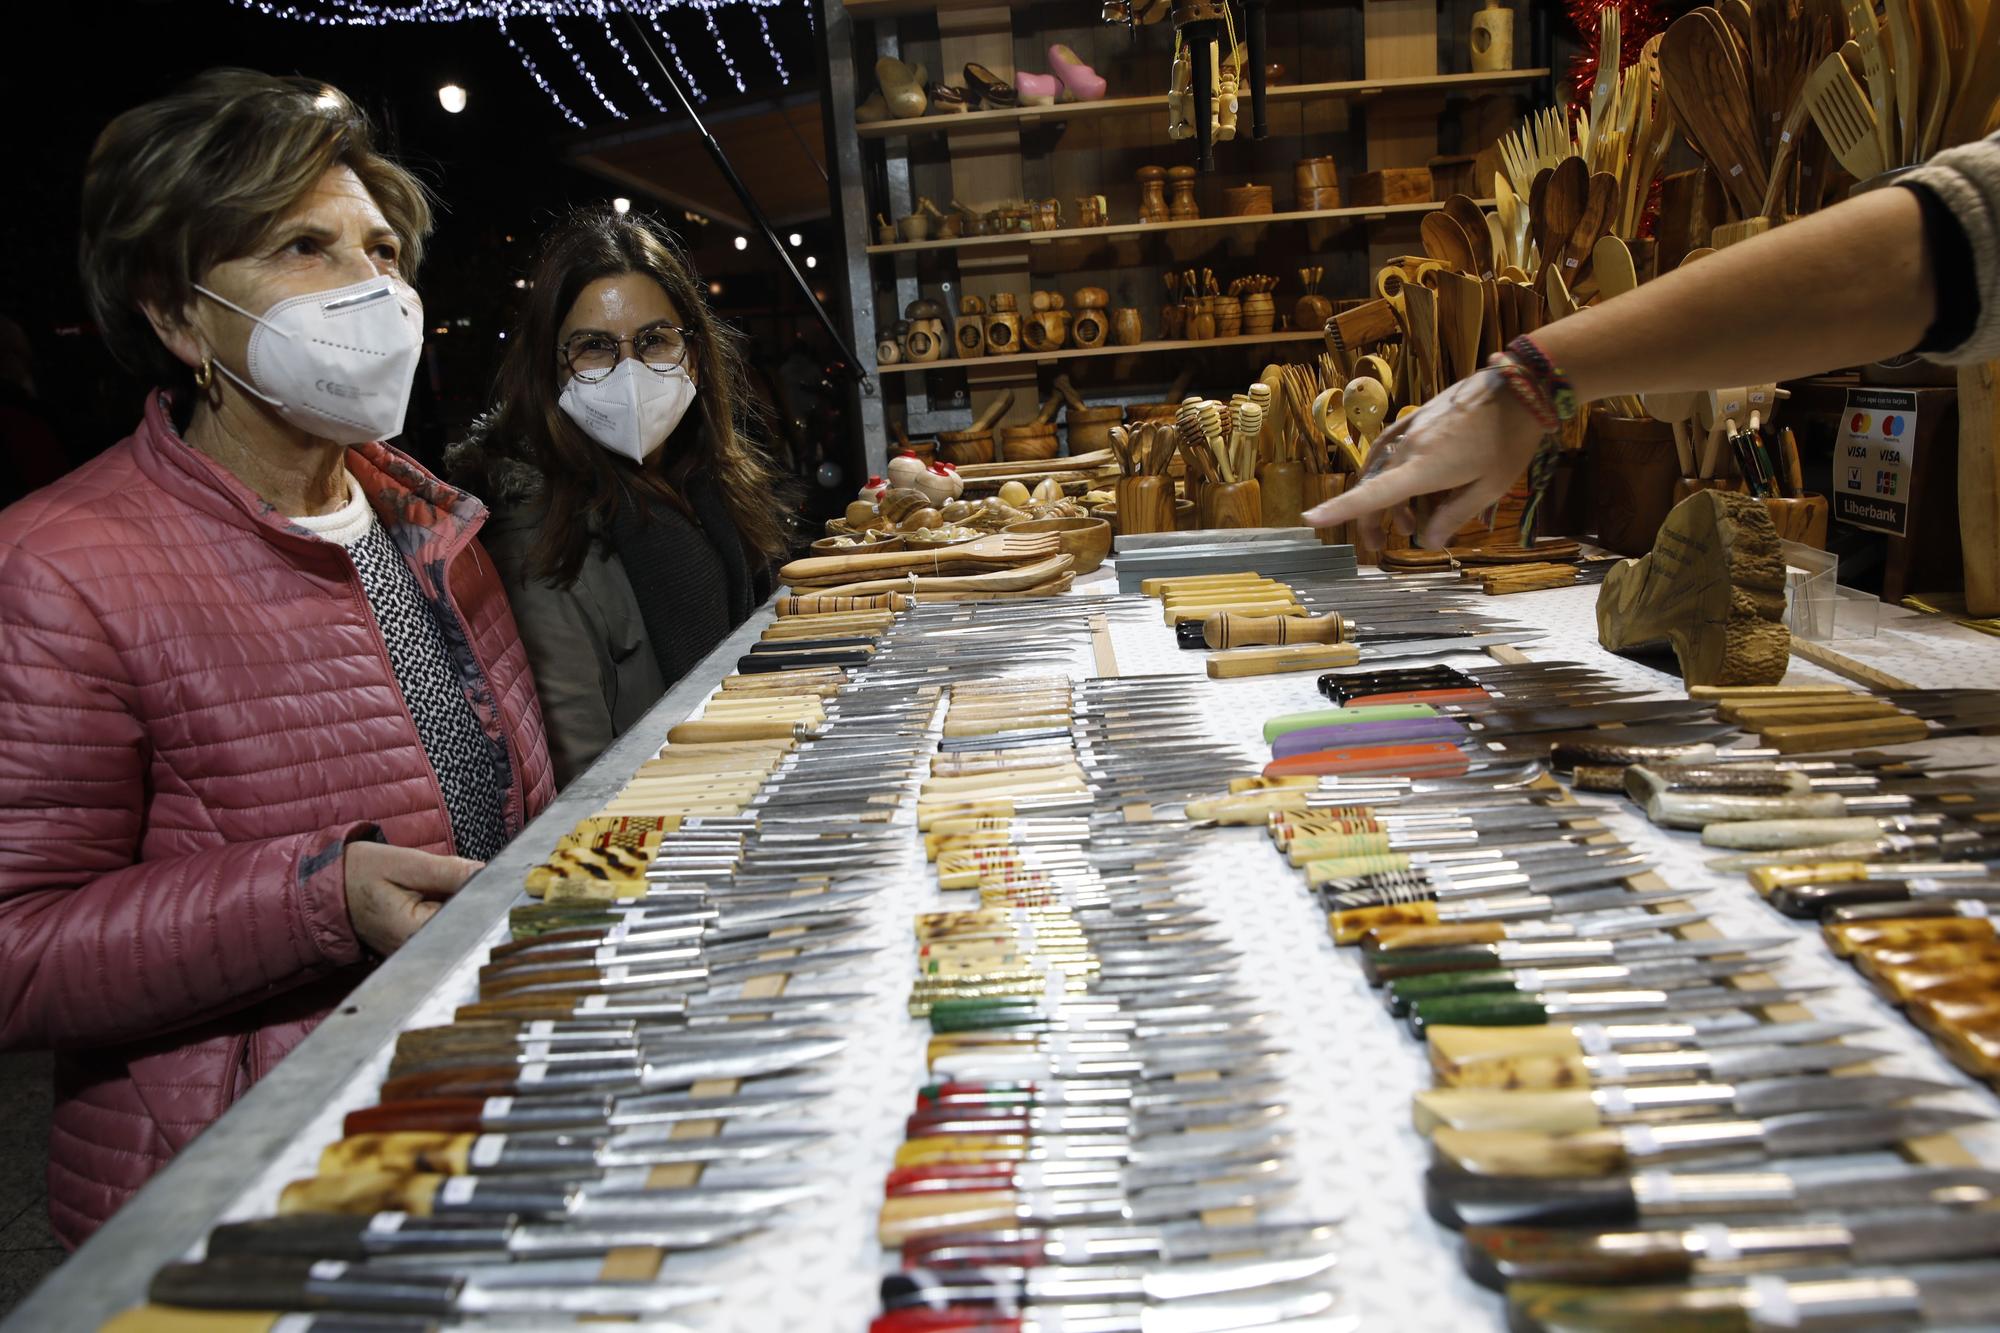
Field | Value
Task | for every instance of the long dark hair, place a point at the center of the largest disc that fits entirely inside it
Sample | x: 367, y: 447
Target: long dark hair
x: 581, y: 480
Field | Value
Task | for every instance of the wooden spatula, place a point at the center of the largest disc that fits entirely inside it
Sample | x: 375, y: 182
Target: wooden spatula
x: 1538, y: 218
x: 1978, y: 91
x: 1845, y: 120
x: 1461, y: 301
x: 1000, y: 580
x: 1473, y: 220
x: 1938, y: 69
x: 1420, y: 309
x: 1611, y: 262
x: 1513, y: 221
x: 1446, y: 241
x: 1881, y: 84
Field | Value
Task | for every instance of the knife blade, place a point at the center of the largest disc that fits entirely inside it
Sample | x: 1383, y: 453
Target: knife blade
x: 1589, y: 1053
x: 1061, y: 1285
x: 1172, y: 1244
x: 1401, y: 997
x: 901, y: 1219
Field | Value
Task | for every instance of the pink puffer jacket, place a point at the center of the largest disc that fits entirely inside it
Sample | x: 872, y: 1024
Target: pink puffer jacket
x: 197, y: 714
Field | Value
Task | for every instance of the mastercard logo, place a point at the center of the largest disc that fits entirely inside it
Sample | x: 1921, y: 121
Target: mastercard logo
x: 1859, y: 425
x: 1892, y: 427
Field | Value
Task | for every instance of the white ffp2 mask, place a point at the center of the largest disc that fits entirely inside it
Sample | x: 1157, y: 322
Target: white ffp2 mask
x: 338, y: 363
x: 632, y: 410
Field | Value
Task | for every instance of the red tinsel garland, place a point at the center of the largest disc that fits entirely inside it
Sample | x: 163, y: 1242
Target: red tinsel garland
x: 1639, y: 22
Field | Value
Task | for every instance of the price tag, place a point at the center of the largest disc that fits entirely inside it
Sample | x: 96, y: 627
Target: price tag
x: 486, y: 1150
x: 1872, y: 459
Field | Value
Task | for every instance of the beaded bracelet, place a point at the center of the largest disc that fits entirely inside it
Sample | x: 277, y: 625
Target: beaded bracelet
x: 1552, y: 383
x: 1520, y: 381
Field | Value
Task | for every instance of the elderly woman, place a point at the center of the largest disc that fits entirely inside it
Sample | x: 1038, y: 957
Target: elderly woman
x: 262, y: 701
x: 635, y: 520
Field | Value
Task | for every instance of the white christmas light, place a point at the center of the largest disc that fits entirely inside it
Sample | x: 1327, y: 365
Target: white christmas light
x: 452, y: 98
x: 742, y: 242
x: 621, y: 205
x: 528, y: 63
x: 812, y: 261
x: 796, y: 240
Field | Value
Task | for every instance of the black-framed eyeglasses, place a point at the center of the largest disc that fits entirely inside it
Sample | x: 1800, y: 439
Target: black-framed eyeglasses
x: 592, y: 356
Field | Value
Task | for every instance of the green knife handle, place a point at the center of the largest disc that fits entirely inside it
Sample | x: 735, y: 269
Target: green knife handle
x: 1488, y: 1011
x: 1383, y: 965
x: 1331, y: 717
x: 1534, y: 1307
x: 1461, y: 1199
x: 986, y: 1015
x: 1497, y: 1256
x: 1406, y: 991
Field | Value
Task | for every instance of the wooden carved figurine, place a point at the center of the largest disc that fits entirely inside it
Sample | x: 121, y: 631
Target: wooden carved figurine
x: 1493, y: 38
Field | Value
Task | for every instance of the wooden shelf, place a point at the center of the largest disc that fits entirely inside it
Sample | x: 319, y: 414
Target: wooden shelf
x: 1136, y: 349
x: 1031, y: 239
x: 1352, y: 90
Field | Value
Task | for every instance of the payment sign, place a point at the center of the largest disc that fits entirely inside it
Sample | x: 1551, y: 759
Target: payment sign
x: 1872, y: 460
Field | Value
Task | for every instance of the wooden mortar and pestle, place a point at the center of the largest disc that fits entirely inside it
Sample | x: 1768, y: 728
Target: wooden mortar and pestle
x: 1089, y: 427
x: 975, y: 443
x: 1035, y: 439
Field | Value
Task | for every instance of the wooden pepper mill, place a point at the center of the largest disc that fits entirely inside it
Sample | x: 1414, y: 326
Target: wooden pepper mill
x: 1183, y: 208
x: 1493, y: 38
x: 1153, y: 194
x: 1003, y: 325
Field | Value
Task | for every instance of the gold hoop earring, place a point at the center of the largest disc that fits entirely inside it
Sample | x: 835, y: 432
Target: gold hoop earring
x: 204, y: 375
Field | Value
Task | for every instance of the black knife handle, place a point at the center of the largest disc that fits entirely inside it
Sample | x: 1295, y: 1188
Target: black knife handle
x: 256, y: 1283
x: 923, y: 1288
x: 338, y: 1236
x: 1462, y: 1199
x: 754, y: 664
x: 770, y: 646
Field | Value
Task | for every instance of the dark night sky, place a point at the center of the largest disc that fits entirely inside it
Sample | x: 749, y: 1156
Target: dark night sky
x: 497, y: 167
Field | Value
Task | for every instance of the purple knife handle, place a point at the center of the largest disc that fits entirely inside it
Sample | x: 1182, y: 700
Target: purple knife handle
x: 1347, y: 735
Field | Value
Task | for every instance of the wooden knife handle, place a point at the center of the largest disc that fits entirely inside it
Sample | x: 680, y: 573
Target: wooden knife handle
x: 1760, y: 717
x: 1388, y: 939
x: 485, y: 1081
x: 1766, y: 878
x: 435, y: 1115
x: 1249, y: 808
x: 167, y: 1319
x: 399, y: 1151
x: 706, y: 731
x: 1648, y: 1309
x: 1273, y: 661
x: 1227, y: 629
x: 1497, y: 1256
x: 1534, y: 1071
x: 911, y: 1215
x: 1748, y: 693
x: 1780, y: 834
x: 1349, y: 925
x: 1200, y: 608
x: 1598, y: 1152
x: 1846, y: 937
x: 1797, y: 738
x: 1540, y: 1112
x: 363, y: 1192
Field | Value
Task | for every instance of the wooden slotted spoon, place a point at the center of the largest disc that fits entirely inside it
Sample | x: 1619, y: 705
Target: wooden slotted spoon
x: 1845, y: 120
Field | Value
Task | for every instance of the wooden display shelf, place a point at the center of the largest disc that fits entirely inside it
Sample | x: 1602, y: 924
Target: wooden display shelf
x: 1349, y: 90
x: 1029, y: 239
x: 1135, y: 349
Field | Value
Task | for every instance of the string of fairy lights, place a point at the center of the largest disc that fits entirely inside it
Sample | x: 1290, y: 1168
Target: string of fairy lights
x: 590, y: 29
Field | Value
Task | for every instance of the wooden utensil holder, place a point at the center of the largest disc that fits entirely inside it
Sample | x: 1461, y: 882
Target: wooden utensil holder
x: 960, y: 447
x: 1260, y: 314
x: 1145, y: 504
x: 1316, y: 489
x: 1228, y: 311
x: 1800, y: 519
x: 1090, y: 427
x: 1281, y: 489
x: 1231, y: 504
x: 1632, y: 472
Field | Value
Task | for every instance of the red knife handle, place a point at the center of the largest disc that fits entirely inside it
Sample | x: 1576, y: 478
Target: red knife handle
x: 451, y: 1115
x: 1420, y: 697
x: 1001, y: 1249
x: 948, y: 1176
x: 989, y: 1120
x: 951, y: 1319
x: 1436, y: 759
x: 978, y: 1094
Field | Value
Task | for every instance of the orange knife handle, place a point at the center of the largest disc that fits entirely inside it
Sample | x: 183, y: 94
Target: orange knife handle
x: 1435, y: 759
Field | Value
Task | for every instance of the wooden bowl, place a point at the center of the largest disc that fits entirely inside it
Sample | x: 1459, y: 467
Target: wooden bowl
x: 959, y: 447
x: 1088, y: 540
x: 1183, y: 514
x: 1090, y: 427
x: 829, y: 546
x: 1029, y: 443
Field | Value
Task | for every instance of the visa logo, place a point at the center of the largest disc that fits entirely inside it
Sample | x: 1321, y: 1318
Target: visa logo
x: 1857, y: 451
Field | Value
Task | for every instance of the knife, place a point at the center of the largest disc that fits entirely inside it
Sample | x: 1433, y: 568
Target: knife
x: 1350, y: 927
x: 1092, y: 1176
x: 1172, y: 1244
x: 1384, y: 941
x: 1496, y: 1256
x: 1008, y: 1287
x: 1605, y: 1152
x: 256, y: 1283
x: 1220, y: 1315
x: 1376, y: 725
x: 1564, y: 1111
x: 1461, y: 1198
x: 1433, y: 880
x: 635, y: 1076
x: 1961, y: 1297
x: 555, y: 1153
x: 1381, y: 966
x: 499, y: 1115
x: 910, y: 1216
x: 1547, y: 1006
x: 1591, y: 1053
x: 354, y: 1238
x: 1811, y: 901
x: 1400, y: 998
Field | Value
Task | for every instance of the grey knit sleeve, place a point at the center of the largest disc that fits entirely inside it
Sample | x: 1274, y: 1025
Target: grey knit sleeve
x: 1967, y: 180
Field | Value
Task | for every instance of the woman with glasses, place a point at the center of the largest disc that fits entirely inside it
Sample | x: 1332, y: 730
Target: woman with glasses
x: 635, y: 523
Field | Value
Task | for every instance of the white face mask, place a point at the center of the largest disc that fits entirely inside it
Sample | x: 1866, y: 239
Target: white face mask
x: 632, y: 410
x: 337, y: 363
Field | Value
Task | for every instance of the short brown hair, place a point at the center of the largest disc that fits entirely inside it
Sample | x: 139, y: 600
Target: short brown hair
x: 198, y: 177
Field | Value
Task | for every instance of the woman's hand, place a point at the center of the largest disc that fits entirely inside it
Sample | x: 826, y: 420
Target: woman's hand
x: 391, y: 891
x: 1467, y: 446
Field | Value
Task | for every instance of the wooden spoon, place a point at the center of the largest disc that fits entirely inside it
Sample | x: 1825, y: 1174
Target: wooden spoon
x: 1473, y: 219
x: 1461, y: 321
x: 1538, y: 220
x: 1592, y: 223
x: 1709, y: 102
x: 1446, y: 241
x: 1563, y: 203
x: 1513, y: 220
x: 1905, y: 59
x: 1937, y: 75
x: 1611, y: 263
